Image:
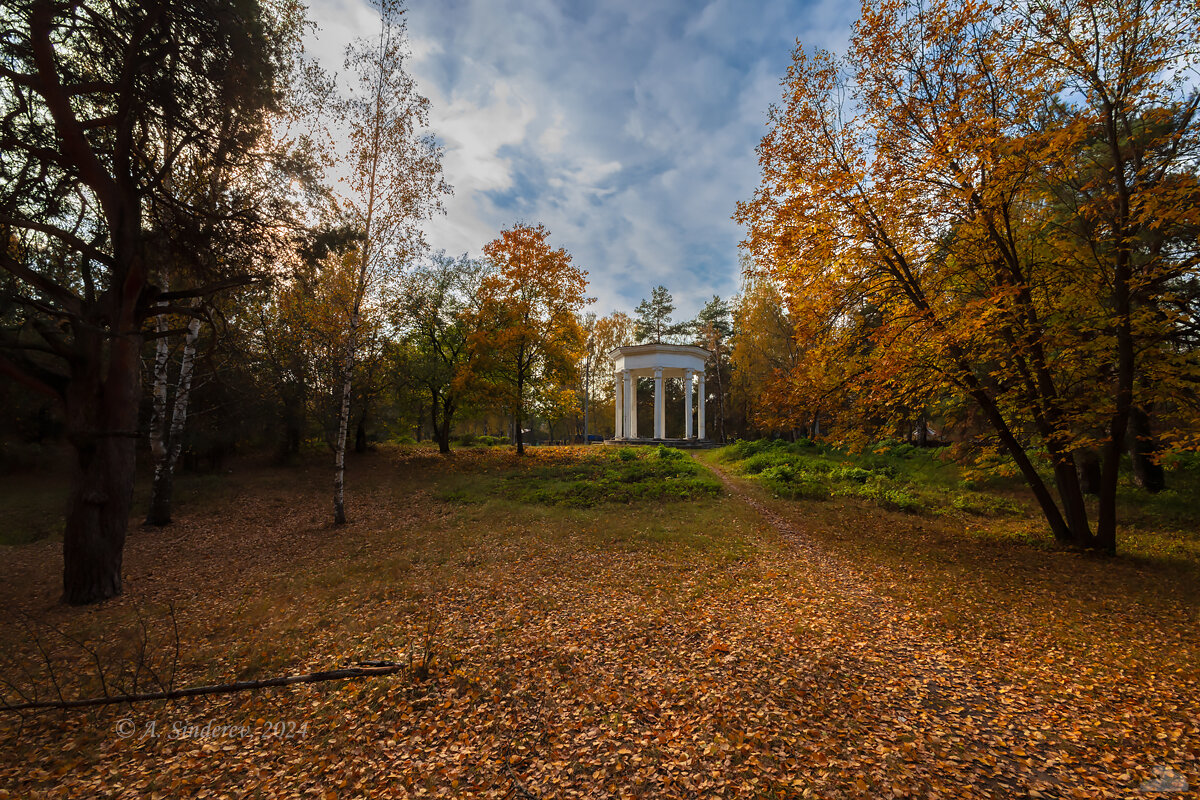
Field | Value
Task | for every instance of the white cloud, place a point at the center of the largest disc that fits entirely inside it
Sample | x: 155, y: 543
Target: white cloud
x: 628, y: 128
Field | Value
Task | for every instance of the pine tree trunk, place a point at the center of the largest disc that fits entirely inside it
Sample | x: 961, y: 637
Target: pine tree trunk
x: 164, y: 468
x: 339, y: 453
x: 101, y: 405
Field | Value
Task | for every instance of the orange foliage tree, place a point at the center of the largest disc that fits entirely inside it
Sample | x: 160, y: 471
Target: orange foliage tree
x: 526, y: 337
x: 766, y: 360
x: 995, y: 202
x: 606, y: 334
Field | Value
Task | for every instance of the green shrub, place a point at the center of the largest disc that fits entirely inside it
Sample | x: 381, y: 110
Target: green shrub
x: 895, y: 499
x: 768, y: 458
x: 780, y: 472
x: 1184, y: 462
x: 491, y: 441
x: 743, y: 449
x: 787, y: 481
x: 669, y: 453
x: 635, y: 471
x: 627, y: 454
x: 851, y: 474
x: 984, y: 505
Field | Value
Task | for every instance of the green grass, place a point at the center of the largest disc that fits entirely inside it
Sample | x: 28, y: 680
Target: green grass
x: 588, y: 477
x: 1157, y: 528
x: 893, y: 476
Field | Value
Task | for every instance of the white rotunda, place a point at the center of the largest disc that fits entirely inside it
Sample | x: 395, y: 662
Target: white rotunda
x: 659, y: 361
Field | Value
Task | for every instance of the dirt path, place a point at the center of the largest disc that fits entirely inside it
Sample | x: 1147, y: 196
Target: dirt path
x: 959, y: 708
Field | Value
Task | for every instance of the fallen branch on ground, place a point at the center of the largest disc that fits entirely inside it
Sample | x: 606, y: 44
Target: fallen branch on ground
x: 367, y: 669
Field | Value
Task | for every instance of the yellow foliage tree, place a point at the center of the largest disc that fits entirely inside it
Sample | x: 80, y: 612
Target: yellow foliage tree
x: 990, y: 200
x: 526, y: 332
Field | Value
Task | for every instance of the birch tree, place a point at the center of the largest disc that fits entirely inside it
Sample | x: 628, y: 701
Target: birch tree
x: 168, y: 415
x: 394, y: 180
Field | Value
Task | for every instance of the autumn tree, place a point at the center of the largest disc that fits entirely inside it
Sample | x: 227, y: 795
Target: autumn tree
x: 968, y: 205
x: 436, y: 305
x: 613, y: 331
x: 592, y: 357
x: 711, y: 330
x: 608, y: 333
x: 768, y: 371
x: 103, y: 102
x: 394, y: 182
x: 527, y: 338
x: 283, y: 186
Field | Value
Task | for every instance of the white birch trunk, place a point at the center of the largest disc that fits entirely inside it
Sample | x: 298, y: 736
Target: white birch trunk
x: 168, y: 442
x: 183, y: 392
x: 339, y: 454
x: 158, y: 417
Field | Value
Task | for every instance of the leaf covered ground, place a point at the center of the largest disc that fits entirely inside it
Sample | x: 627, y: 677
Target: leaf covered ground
x: 723, y: 644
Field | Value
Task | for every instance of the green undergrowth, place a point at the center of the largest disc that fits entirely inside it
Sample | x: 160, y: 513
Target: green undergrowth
x: 576, y: 478
x: 896, y: 476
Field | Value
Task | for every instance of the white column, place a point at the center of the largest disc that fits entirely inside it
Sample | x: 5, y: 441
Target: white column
x: 700, y: 410
x: 687, y: 404
x: 618, y: 406
x: 630, y: 406
x: 660, y: 418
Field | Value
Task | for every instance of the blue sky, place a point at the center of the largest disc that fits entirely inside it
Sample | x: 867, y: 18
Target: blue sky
x: 627, y: 127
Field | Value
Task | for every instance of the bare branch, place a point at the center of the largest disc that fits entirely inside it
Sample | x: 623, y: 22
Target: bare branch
x: 372, y: 669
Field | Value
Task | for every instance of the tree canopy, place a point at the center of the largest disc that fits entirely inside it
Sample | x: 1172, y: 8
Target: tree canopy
x: 653, y: 321
x: 527, y: 338
x: 995, y: 202
x: 136, y: 141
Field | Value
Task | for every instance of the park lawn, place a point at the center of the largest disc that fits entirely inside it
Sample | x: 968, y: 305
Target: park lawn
x: 675, y: 643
